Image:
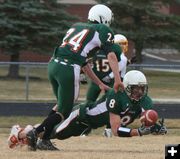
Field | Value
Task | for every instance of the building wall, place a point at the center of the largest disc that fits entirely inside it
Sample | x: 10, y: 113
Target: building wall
x: 80, y: 10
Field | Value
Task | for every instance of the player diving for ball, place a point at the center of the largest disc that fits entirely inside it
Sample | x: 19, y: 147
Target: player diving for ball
x: 119, y: 109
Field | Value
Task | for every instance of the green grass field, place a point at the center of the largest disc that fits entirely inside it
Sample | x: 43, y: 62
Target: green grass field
x: 95, y: 146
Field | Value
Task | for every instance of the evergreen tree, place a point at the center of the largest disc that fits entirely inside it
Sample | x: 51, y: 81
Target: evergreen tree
x: 143, y: 23
x: 34, y: 25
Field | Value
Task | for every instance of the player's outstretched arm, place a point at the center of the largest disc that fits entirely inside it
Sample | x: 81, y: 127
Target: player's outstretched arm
x: 120, y: 131
x: 113, y: 62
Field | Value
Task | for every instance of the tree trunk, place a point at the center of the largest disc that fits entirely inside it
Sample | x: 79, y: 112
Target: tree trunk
x: 14, y: 68
x: 138, y: 49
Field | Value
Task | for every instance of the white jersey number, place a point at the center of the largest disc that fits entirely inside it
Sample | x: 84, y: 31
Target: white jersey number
x: 112, y: 103
x: 76, y: 40
x: 103, y: 65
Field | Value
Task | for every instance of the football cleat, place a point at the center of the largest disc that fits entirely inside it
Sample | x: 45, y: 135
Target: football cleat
x: 13, y: 139
x: 32, y: 139
x: 46, y: 145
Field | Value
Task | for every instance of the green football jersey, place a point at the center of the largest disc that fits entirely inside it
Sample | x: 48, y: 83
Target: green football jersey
x: 101, y: 65
x: 83, y: 38
x: 86, y: 116
x: 119, y: 103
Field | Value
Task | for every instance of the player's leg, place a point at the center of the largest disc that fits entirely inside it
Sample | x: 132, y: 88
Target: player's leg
x: 97, y: 113
x: 65, y: 101
x: 54, y: 84
x: 93, y: 92
x: 32, y: 135
x: 54, y: 77
x: 53, y: 110
x: 68, y: 89
x: 72, y: 126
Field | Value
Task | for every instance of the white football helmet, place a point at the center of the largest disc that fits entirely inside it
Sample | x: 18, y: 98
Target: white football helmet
x: 101, y: 14
x: 135, y: 84
x: 122, y: 41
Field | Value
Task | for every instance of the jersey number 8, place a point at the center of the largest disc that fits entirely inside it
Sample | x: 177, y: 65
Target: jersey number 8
x: 112, y: 103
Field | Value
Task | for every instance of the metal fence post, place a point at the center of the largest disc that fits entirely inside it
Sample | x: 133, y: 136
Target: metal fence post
x: 27, y: 81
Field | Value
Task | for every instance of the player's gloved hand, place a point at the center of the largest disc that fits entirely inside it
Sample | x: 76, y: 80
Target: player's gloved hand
x: 106, y: 79
x: 144, y: 130
x: 104, y: 87
x: 118, y: 85
x: 107, y: 132
x: 159, y: 128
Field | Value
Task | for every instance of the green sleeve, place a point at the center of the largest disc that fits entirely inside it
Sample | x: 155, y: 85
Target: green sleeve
x: 147, y: 103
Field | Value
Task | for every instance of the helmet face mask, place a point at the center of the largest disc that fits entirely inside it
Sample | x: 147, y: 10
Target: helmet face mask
x: 135, y: 84
x: 100, y: 14
x: 136, y: 92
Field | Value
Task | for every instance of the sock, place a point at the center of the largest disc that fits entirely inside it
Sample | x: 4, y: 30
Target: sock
x: 48, y: 125
x: 51, y: 112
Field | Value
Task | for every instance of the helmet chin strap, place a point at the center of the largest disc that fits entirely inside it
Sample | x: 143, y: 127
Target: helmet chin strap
x: 135, y: 100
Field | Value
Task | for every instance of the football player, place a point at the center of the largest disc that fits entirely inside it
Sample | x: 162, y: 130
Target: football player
x: 66, y: 63
x: 119, y: 109
x: 102, y: 69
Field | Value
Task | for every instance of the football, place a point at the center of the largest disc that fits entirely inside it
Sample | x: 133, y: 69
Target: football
x: 149, y: 117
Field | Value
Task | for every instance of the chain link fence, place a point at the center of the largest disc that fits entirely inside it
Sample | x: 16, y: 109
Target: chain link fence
x: 33, y: 84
